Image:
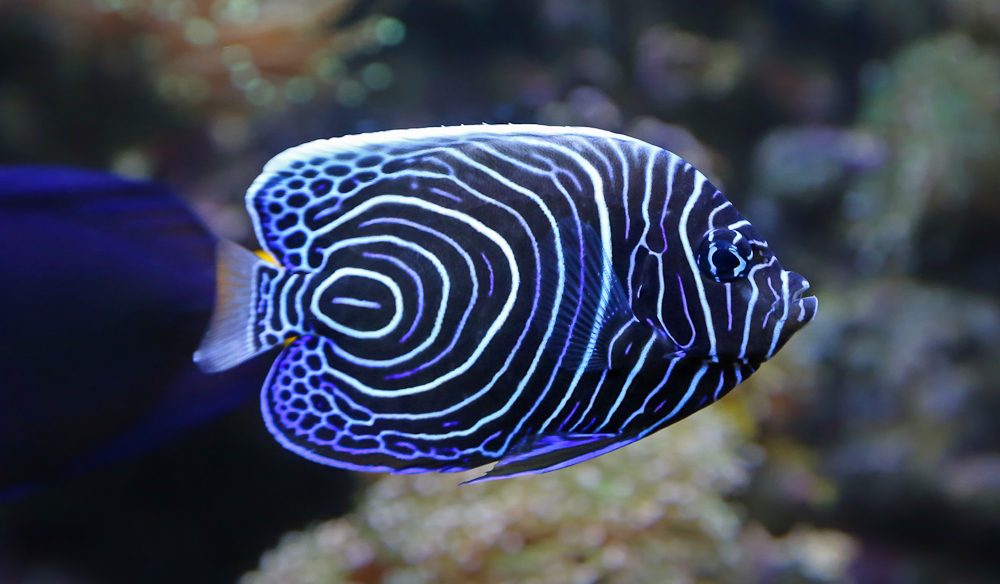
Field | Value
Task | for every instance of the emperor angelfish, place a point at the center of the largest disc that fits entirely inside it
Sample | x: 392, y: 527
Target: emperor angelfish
x: 533, y: 295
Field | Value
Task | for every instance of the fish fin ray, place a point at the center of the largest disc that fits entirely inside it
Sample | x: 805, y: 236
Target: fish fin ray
x: 548, y: 452
x: 230, y: 338
x: 584, y: 328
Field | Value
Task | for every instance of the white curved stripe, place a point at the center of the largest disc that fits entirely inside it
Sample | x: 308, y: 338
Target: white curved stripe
x: 706, y: 310
x: 553, y: 224
x: 491, y: 331
x: 562, y: 263
x: 607, y: 274
x: 561, y: 270
x: 616, y: 146
x: 473, y: 293
x: 498, y: 412
x: 639, y: 365
x: 652, y: 393
x: 300, y: 299
x: 778, y: 326
x: 616, y: 336
x: 593, y: 398
x: 716, y: 211
x: 397, y: 297
x: 534, y: 364
x: 754, y: 293
x: 662, y: 289
x: 648, y: 187
x: 356, y: 302
x: 680, y: 404
x: 442, y: 307
x: 283, y: 303
x: 718, y: 388
x: 589, y: 145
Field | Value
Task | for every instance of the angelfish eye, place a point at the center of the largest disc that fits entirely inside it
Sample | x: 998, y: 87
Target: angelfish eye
x: 725, y: 255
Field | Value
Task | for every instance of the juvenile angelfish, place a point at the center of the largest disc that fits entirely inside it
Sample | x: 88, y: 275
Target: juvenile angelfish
x: 533, y: 295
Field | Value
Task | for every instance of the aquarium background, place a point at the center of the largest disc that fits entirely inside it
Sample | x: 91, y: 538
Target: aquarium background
x: 862, y: 136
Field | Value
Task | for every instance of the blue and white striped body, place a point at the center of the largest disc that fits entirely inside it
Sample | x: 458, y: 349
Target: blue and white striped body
x: 461, y: 295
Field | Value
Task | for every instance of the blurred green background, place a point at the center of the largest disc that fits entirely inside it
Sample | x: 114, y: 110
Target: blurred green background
x: 861, y: 136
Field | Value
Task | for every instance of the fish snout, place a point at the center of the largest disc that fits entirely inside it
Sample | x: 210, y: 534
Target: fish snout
x: 803, y: 308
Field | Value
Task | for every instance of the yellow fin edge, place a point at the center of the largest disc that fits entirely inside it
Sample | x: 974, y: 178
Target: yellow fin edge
x: 267, y: 257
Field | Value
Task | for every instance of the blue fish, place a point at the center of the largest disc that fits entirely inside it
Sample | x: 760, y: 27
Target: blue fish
x: 531, y: 295
x: 108, y: 287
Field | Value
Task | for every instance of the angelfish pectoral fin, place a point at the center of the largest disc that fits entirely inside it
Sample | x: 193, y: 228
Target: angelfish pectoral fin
x: 548, y: 452
x: 592, y: 307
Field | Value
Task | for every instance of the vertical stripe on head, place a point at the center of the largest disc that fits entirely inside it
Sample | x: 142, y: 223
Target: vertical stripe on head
x: 699, y: 182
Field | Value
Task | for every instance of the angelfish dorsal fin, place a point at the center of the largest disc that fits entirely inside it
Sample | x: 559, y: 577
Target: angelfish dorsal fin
x: 593, y: 306
x: 548, y: 452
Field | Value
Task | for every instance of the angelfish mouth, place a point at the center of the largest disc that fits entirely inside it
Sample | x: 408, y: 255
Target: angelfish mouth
x: 801, y: 310
x: 804, y: 308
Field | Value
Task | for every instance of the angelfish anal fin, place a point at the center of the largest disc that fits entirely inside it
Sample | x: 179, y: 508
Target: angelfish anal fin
x: 593, y: 307
x: 548, y: 452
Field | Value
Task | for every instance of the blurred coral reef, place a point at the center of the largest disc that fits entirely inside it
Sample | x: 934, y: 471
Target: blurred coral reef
x: 232, y: 55
x: 656, y: 511
x: 862, y: 136
x: 936, y: 107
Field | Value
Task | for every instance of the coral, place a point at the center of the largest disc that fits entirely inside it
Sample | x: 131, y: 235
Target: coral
x: 654, y: 511
x: 811, y: 161
x: 981, y: 16
x: 674, y: 65
x: 235, y: 54
x: 935, y: 107
x: 909, y: 359
x: 906, y: 190
x: 884, y: 412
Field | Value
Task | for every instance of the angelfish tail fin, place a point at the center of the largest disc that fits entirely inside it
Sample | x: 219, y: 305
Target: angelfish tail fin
x: 231, y: 338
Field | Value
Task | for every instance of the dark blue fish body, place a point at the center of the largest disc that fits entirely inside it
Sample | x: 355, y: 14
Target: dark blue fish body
x: 457, y: 296
x: 108, y: 285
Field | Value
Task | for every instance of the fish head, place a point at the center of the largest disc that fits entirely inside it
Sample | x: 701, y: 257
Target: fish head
x: 724, y: 295
x: 751, y: 304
